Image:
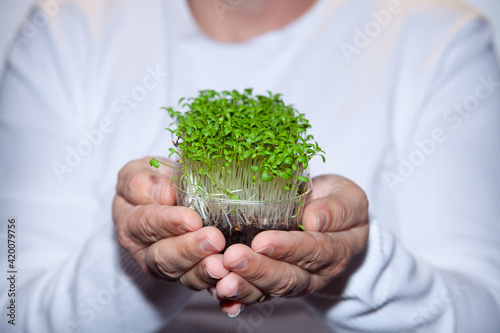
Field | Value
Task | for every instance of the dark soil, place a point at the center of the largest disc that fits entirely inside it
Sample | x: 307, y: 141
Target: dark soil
x: 243, y: 234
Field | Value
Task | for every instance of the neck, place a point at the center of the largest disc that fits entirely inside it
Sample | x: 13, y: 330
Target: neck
x: 236, y: 21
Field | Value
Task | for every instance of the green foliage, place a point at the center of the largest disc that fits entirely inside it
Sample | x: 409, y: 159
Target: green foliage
x: 235, y: 143
x: 154, y: 162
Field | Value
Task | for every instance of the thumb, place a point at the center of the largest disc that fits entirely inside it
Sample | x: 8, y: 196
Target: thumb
x: 338, y: 205
x: 162, y: 193
x: 141, y: 184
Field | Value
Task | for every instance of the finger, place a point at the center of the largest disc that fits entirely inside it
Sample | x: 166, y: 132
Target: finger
x: 274, y: 278
x: 139, y: 183
x: 325, y: 253
x: 172, y: 257
x: 205, y: 274
x: 235, y: 288
x: 146, y: 224
x: 231, y: 308
x: 335, y: 204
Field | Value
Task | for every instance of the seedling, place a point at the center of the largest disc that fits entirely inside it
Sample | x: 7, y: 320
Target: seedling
x: 236, y: 148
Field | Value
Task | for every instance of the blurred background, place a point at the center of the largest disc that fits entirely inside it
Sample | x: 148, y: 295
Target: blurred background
x: 12, y: 12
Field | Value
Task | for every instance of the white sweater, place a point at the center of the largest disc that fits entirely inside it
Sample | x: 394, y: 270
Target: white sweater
x: 404, y: 97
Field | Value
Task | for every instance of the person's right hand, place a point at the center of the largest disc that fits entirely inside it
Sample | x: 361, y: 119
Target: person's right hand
x: 167, y: 241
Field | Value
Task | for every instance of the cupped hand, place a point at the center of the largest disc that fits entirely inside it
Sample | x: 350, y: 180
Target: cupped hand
x: 297, y: 263
x: 167, y: 241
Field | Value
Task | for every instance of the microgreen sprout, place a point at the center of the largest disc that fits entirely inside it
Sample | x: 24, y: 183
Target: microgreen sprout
x: 245, y: 147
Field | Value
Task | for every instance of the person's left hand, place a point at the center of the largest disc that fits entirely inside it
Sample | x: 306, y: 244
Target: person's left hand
x: 298, y: 263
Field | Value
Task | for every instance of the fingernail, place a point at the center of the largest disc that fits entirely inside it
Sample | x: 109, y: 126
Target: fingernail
x: 207, y: 246
x: 237, y: 313
x: 236, y: 292
x: 213, y: 292
x: 266, y: 250
x: 157, y: 192
x: 185, y: 228
x: 239, y: 264
x: 210, y: 275
x: 322, y: 220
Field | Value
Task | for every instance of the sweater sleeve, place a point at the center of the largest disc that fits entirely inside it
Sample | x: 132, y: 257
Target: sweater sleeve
x: 440, y: 271
x: 70, y: 273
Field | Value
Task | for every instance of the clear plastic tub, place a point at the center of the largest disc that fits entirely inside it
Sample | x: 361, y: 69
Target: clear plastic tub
x: 241, y: 220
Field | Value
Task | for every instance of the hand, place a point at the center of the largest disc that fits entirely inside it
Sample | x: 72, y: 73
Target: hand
x: 168, y: 242
x: 297, y: 263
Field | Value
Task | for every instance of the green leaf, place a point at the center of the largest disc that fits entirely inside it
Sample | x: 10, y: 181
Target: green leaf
x: 302, y: 159
x: 154, y: 162
x: 304, y: 179
x: 246, y: 154
x: 285, y: 175
x: 266, y: 177
x: 281, y: 158
x: 254, y: 168
x: 172, y: 152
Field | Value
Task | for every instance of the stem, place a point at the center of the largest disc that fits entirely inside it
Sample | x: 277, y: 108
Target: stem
x: 154, y: 163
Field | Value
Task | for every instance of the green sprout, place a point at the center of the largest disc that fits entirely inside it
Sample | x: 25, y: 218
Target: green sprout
x: 245, y: 147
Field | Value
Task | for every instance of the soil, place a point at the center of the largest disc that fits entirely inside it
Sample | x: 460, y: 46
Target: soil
x: 244, y: 235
